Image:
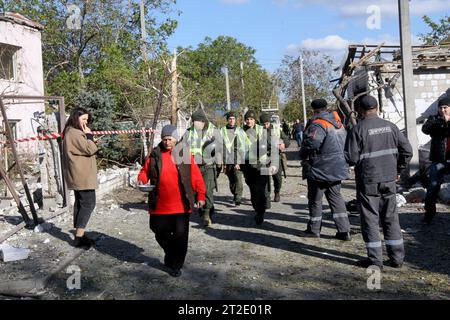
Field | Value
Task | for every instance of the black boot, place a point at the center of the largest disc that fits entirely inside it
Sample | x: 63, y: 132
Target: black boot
x: 277, y: 197
x: 83, y: 242
x: 430, y: 211
x: 308, y: 234
x: 344, y: 236
x: 259, y: 218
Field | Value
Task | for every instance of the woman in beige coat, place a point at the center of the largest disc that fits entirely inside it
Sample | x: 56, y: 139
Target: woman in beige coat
x: 79, y: 151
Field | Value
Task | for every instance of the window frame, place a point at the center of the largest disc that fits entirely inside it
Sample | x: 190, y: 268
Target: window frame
x: 14, y: 56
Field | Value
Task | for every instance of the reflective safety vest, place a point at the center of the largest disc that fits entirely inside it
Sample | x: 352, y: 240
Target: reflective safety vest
x: 276, y: 129
x: 196, y: 142
x: 253, y: 145
x: 229, y: 142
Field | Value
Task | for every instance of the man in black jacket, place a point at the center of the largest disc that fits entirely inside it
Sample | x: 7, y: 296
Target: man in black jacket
x: 297, y: 132
x: 324, y: 166
x: 437, y: 126
x: 379, y: 152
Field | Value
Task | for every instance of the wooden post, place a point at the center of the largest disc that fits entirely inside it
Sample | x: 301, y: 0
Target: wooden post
x: 144, y: 141
x: 174, y: 71
x: 16, y: 198
x: 62, y: 124
x: 16, y: 159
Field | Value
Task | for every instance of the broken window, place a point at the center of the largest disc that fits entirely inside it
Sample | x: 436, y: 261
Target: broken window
x: 13, y: 124
x: 7, y: 62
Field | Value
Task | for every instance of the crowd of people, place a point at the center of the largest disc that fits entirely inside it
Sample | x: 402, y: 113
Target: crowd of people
x: 182, y: 173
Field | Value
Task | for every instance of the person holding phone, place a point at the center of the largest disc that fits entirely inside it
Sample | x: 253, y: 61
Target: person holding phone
x: 438, y: 127
x: 79, y: 154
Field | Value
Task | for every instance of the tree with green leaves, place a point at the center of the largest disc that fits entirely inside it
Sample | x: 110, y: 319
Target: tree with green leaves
x: 203, y: 79
x: 440, y: 32
x: 76, y: 38
x: 318, y: 72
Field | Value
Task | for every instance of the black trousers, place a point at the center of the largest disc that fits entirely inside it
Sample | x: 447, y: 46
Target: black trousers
x: 259, y: 188
x: 278, y: 178
x: 172, y: 233
x: 83, y: 207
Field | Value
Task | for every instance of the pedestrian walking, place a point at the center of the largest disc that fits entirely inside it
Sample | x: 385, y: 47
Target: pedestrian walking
x: 234, y: 141
x: 286, y: 130
x: 324, y: 167
x: 200, y: 136
x: 379, y: 152
x: 178, y: 188
x: 79, y: 156
x: 297, y: 132
x: 255, y: 168
x: 275, y: 132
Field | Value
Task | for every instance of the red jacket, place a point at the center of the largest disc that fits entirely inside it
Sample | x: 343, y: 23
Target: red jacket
x: 170, y: 199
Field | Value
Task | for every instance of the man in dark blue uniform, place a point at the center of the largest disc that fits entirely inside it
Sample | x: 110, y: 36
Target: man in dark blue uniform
x: 379, y: 152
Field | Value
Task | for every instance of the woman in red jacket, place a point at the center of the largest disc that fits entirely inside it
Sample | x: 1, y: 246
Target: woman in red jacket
x: 178, y: 188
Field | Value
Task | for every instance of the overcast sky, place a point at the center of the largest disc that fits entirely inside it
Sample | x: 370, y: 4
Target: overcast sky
x: 278, y: 27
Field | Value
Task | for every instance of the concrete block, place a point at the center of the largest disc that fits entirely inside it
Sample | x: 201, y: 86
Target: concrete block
x: 434, y: 83
x: 421, y: 83
x: 10, y: 253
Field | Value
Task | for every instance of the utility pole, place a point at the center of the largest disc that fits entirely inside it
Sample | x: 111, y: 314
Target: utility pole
x: 227, y: 83
x: 408, y: 89
x: 143, y: 32
x: 174, y: 88
x: 303, y: 90
x: 242, y: 83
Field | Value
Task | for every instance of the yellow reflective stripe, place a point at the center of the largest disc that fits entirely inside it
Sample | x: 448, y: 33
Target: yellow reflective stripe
x: 194, y: 139
x: 228, y: 143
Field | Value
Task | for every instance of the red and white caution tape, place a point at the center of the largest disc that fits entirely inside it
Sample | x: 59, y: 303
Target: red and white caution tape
x: 60, y: 135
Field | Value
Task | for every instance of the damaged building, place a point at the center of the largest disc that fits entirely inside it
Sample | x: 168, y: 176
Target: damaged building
x: 21, y: 73
x: 377, y: 69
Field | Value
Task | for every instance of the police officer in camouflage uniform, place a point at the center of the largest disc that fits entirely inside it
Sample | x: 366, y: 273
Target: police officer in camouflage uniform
x: 201, y: 136
x: 324, y: 165
x: 234, y: 141
x: 283, y: 142
x: 379, y: 152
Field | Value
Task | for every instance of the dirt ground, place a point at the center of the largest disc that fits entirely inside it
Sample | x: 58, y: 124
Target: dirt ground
x: 232, y: 259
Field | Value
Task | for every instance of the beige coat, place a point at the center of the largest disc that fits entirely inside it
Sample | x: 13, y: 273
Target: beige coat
x: 79, y: 160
